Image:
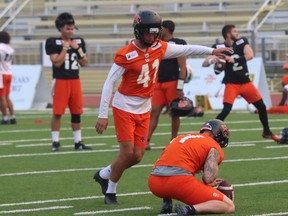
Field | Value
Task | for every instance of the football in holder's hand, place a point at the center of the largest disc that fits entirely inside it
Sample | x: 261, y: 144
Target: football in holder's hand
x: 219, y: 66
x: 226, y: 188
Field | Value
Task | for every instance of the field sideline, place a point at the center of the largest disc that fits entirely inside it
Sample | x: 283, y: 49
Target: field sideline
x: 36, y: 181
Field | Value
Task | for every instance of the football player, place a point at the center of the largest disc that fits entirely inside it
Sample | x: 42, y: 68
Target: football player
x: 67, y: 54
x: 170, y: 70
x: 6, y: 59
x: 137, y: 64
x: 173, y: 174
x: 236, y: 78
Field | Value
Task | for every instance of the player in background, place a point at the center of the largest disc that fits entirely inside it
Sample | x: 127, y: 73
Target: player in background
x: 282, y: 106
x: 137, y: 64
x: 166, y: 89
x: 173, y: 174
x: 67, y: 54
x: 6, y: 60
x: 236, y: 78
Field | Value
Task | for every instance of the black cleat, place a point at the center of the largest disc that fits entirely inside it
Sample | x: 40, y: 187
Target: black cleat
x: 55, y: 146
x: 13, y: 121
x: 81, y: 146
x: 4, y: 122
x: 181, y: 210
x: 167, y: 206
x: 103, y: 182
x: 111, y: 199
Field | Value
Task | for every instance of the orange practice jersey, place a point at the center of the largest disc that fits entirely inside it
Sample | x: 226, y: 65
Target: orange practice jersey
x: 189, y: 152
x: 141, y: 68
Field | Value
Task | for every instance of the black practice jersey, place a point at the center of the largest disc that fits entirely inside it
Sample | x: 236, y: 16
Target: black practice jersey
x: 236, y: 72
x: 70, y: 67
x: 169, y: 69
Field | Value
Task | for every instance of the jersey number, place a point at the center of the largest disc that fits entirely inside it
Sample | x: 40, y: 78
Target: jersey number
x: 144, y: 77
x: 73, y: 60
x: 236, y: 66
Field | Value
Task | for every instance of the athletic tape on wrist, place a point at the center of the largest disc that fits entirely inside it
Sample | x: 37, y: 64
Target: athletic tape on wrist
x: 180, y: 84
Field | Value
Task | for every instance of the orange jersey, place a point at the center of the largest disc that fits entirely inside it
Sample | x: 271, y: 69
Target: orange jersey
x: 141, y: 68
x: 189, y: 152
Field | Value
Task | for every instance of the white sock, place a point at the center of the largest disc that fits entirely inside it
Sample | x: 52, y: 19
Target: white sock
x: 55, y: 136
x: 112, y: 187
x: 12, y: 117
x: 77, y: 136
x: 106, y: 172
x: 5, y: 118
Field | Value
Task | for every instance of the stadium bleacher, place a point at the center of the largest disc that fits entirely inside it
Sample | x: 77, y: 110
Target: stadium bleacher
x: 106, y: 25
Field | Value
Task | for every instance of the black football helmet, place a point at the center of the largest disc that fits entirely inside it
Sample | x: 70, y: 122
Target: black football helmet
x: 197, y: 111
x: 64, y: 19
x: 147, y: 21
x: 284, y: 136
x: 219, y: 130
x: 181, y: 106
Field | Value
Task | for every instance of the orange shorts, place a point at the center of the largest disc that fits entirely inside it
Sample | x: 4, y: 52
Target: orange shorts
x: 131, y: 127
x: 7, y: 80
x: 164, y: 93
x: 67, y: 93
x: 247, y: 90
x: 191, y: 192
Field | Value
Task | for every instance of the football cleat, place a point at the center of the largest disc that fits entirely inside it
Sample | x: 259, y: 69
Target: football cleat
x: 55, y: 146
x: 185, y: 210
x: 4, y: 122
x: 13, y: 121
x: 103, y: 182
x: 81, y: 146
x: 167, y: 206
x: 181, y: 210
x: 271, y: 136
x: 111, y: 199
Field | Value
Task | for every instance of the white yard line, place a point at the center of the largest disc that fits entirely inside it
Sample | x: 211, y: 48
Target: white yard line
x: 113, y: 211
x: 35, y: 209
x: 49, y: 144
x: 273, y: 214
x: 127, y: 194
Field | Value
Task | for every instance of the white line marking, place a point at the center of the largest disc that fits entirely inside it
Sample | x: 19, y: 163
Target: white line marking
x: 49, y: 144
x: 35, y: 209
x: 126, y: 194
x: 273, y: 214
x: 112, y: 211
x: 57, y: 153
x: 136, y: 166
x: 256, y: 159
x: 167, y: 214
x: 278, y: 146
x: 71, y: 199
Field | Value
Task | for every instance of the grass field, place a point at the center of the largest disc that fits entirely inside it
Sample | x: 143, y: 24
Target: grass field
x: 36, y: 181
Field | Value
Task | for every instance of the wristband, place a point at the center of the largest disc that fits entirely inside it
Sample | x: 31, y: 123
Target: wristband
x: 65, y: 47
x: 180, y: 84
x: 80, y: 52
x: 241, y: 59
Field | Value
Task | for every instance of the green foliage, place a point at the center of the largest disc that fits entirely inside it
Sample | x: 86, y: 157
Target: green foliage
x: 32, y: 177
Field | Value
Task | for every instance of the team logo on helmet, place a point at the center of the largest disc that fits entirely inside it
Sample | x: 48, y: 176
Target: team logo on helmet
x: 137, y: 19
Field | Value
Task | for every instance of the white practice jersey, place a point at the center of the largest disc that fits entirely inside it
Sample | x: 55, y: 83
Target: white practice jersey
x: 6, y: 58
